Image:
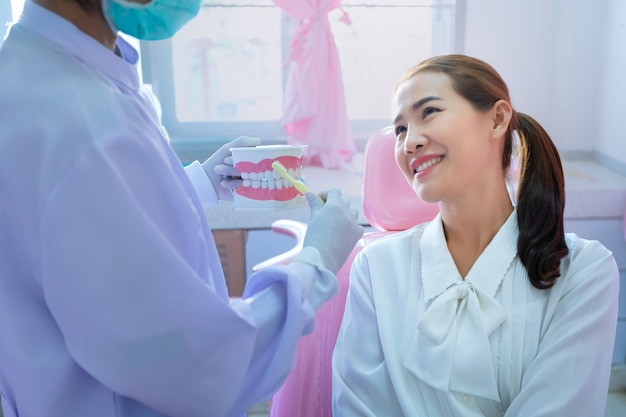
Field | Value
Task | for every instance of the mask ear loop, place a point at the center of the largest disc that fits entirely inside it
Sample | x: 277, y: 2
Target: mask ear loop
x: 104, y: 5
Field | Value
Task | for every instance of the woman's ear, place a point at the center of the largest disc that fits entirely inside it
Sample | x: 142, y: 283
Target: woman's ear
x: 502, y: 113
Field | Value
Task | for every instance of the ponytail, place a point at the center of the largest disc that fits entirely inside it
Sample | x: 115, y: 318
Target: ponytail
x: 540, y: 204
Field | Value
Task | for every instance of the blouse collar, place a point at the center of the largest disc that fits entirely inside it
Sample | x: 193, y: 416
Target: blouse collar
x: 439, y: 270
x: 450, y: 349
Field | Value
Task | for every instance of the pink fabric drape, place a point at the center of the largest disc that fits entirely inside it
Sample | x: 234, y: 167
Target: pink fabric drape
x: 314, y: 109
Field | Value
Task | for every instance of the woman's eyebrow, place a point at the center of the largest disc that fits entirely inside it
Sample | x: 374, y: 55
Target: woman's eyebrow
x: 417, y: 105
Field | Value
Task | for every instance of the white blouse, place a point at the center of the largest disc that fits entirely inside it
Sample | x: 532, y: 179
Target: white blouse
x: 418, y: 340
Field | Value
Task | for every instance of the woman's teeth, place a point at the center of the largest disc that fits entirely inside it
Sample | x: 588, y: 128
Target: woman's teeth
x: 428, y: 164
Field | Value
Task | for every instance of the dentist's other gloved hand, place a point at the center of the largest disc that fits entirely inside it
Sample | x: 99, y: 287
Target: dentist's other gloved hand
x: 220, y: 170
x: 332, y: 229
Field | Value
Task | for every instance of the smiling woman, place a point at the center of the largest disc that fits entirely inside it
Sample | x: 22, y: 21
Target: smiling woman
x: 490, y: 309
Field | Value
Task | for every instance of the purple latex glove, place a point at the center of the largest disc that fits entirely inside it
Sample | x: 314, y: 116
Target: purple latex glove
x: 220, y: 170
x: 332, y: 229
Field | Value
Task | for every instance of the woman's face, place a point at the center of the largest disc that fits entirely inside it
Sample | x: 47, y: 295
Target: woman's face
x: 444, y: 146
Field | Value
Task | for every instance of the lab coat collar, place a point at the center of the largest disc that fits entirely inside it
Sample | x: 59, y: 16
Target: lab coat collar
x: 122, y: 71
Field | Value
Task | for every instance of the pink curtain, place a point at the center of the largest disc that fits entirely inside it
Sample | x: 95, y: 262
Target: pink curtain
x: 314, y: 110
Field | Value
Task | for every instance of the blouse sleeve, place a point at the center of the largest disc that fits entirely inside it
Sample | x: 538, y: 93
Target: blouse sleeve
x: 360, y: 380
x: 570, y: 374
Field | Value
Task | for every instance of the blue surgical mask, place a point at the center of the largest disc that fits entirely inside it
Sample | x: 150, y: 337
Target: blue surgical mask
x: 159, y: 19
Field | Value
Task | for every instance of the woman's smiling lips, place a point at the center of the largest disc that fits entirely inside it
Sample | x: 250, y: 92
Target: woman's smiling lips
x: 421, y: 165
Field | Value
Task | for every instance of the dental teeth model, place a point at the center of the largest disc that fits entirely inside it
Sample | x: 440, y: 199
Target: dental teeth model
x: 263, y: 186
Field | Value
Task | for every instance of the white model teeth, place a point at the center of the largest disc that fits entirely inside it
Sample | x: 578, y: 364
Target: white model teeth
x: 278, y: 184
x: 428, y: 164
x: 268, y: 179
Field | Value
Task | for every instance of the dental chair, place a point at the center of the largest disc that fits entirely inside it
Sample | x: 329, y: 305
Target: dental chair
x: 390, y: 205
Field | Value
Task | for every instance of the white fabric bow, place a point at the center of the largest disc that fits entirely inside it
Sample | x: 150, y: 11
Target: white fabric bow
x: 450, y: 349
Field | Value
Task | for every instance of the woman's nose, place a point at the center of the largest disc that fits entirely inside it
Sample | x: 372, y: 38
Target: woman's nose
x: 414, y: 140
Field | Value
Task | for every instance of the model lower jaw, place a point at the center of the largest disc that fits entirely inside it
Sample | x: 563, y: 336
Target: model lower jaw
x: 268, y: 195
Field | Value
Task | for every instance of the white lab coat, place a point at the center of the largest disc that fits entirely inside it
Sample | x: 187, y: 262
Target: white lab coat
x: 418, y: 340
x: 112, y: 297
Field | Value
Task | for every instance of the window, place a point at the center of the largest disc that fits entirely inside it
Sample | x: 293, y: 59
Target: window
x: 223, y: 74
x: 385, y: 39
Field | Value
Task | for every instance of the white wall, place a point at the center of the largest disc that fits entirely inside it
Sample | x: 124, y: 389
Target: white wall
x: 518, y: 42
x: 550, y: 53
x: 612, y: 100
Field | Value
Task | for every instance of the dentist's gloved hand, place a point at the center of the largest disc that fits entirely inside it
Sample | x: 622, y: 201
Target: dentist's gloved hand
x: 220, y: 170
x: 332, y: 229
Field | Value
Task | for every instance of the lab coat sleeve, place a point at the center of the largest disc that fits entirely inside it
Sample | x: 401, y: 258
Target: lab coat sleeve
x: 202, y: 184
x: 570, y: 374
x: 273, y: 355
x: 122, y: 251
x: 360, y: 382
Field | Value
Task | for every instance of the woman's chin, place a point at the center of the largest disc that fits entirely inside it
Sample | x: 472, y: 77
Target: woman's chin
x: 427, y: 195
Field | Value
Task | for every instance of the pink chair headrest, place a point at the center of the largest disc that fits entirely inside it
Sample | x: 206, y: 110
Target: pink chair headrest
x: 389, y: 202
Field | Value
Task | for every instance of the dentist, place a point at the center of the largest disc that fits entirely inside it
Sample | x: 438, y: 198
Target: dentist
x: 112, y: 298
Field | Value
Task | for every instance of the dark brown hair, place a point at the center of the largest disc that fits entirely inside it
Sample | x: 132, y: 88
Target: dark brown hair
x: 541, y: 186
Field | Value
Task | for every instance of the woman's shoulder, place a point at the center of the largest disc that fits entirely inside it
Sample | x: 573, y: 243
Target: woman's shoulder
x: 588, y: 259
x: 584, y: 250
x: 394, y: 241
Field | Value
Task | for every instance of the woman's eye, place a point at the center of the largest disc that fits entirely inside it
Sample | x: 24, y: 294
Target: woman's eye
x: 428, y: 111
x: 399, y: 130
